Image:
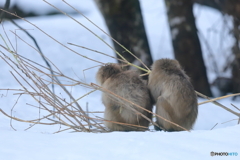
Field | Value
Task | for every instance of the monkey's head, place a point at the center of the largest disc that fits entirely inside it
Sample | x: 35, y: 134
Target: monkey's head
x: 107, y: 71
x: 166, y: 65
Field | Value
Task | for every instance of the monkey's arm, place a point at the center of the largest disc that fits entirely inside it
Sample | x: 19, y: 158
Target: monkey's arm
x: 164, y: 104
x: 164, y: 109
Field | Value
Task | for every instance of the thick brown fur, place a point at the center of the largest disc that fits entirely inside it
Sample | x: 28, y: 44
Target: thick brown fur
x: 128, y: 85
x: 173, y: 94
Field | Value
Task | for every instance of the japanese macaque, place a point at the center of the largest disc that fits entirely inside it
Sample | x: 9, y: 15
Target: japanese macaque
x: 173, y: 94
x: 128, y: 85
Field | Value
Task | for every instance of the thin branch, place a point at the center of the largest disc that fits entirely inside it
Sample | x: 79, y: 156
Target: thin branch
x: 235, y: 107
x: 218, y: 104
x: 218, y: 98
x: 214, y: 126
x: 6, y: 6
x: 39, y: 49
x: 229, y: 121
x: 96, y: 52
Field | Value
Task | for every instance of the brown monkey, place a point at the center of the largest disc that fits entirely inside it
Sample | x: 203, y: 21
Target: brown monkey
x: 173, y: 94
x: 128, y: 85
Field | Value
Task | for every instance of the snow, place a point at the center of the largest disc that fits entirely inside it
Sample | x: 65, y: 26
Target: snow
x: 38, y: 142
x: 117, y: 145
x: 174, y: 33
x: 177, y: 20
x: 215, y: 31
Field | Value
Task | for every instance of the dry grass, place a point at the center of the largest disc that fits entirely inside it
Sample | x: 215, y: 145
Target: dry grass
x: 35, y: 82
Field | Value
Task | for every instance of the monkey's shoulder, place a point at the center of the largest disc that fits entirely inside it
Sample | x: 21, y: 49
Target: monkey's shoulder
x: 126, y: 77
x: 127, y: 84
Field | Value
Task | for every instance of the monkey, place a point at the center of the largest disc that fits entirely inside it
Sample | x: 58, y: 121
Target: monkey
x: 128, y: 85
x: 173, y: 94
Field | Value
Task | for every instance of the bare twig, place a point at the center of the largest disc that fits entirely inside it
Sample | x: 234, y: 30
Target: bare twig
x: 235, y: 106
x: 214, y: 126
x: 218, y: 98
x: 6, y: 6
x: 39, y: 49
x: 218, y: 104
x: 229, y: 121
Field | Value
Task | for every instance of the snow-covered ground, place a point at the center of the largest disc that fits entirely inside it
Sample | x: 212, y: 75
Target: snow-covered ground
x: 38, y: 142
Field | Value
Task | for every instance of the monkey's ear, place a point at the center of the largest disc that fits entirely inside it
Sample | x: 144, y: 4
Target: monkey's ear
x: 113, y: 69
x: 109, y: 70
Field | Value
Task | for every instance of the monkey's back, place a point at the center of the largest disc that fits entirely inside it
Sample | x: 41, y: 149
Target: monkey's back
x: 129, y: 86
x: 174, y: 95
